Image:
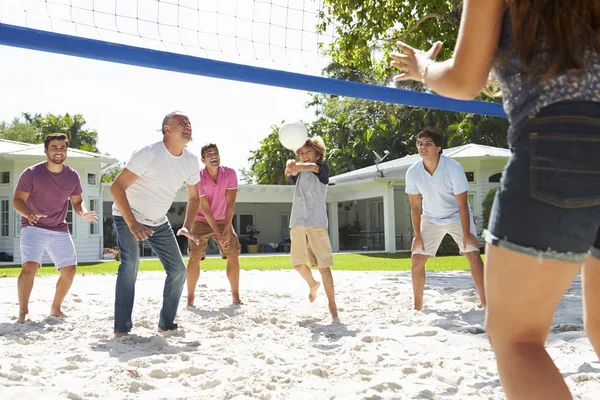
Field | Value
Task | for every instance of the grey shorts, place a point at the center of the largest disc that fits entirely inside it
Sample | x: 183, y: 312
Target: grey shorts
x: 60, y: 247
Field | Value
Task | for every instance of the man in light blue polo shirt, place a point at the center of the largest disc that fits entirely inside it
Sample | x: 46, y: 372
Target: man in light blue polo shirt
x: 442, y: 185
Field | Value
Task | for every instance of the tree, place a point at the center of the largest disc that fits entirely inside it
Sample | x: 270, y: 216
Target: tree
x: 268, y: 162
x: 110, y: 174
x: 353, y: 128
x: 19, y: 132
x: 72, y: 126
x: 367, y: 30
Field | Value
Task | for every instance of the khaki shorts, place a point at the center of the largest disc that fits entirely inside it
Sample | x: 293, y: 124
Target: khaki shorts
x: 310, y: 245
x: 433, y: 234
x: 203, y: 231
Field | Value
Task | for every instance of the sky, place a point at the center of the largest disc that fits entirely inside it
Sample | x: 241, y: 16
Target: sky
x: 126, y: 104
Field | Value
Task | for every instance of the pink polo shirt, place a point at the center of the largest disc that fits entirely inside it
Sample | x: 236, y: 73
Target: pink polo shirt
x: 215, y: 191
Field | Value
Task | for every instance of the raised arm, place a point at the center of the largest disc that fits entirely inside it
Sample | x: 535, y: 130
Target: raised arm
x: 465, y: 74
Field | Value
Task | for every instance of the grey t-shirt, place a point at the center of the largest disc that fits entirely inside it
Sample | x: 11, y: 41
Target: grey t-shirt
x: 309, y: 204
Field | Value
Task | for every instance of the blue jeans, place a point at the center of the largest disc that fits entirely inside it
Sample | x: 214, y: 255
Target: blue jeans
x: 165, y: 246
x: 548, y: 204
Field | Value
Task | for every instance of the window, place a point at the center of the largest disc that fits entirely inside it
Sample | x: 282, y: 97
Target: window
x: 471, y: 197
x: 495, y: 178
x: 4, y: 214
x: 17, y: 224
x: 284, y: 226
x: 5, y: 177
x: 91, y: 179
x: 246, y: 223
x: 94, y: 227
x: 70, y: 218
x: 470, y: 176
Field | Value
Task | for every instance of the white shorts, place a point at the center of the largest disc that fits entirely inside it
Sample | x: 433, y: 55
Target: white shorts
x: 433, y: 234
x: 59, y: 245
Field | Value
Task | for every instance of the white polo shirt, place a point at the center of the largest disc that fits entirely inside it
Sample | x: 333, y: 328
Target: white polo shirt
x: 438, y: 190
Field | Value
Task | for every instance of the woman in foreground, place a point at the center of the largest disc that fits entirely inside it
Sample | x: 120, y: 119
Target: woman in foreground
x: 544, y: 227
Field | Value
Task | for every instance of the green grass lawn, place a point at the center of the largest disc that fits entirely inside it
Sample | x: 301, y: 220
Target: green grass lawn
x: 348, y: 262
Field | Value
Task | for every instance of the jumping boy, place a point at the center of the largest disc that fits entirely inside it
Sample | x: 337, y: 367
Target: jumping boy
x: 308, y: 221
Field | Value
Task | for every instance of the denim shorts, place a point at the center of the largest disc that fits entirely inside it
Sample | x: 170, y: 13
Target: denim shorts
x: 548, y: 203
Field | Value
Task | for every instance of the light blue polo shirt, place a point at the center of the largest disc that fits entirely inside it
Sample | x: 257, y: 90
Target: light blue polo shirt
x: 438, y: 190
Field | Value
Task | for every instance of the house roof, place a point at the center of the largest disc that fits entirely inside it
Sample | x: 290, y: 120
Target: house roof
x: 401, y: 164
x: 19, y: 149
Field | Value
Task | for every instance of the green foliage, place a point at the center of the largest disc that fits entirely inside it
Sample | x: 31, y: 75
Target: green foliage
x: 19, y: 132
x: 268, y: 162
x: 110, y: 174
x: 71, y: 125
x: 486, y: 206
x: 33, y: 129
x: 352, y: 128
x: 448, y: 247
x: 367, y: 30
x: 343, y: 262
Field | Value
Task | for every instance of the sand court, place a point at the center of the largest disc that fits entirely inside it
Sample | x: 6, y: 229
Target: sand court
x: 277, y: 346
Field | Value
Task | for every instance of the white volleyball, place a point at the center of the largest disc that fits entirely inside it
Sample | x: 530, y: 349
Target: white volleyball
x: 293, y: 135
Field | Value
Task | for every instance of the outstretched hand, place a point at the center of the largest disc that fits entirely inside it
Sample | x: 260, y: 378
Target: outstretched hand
x: 413, y: 62
x: 90, y: 216
x: 185, y: 232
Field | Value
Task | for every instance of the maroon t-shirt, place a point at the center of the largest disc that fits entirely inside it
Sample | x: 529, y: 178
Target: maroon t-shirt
x: 49, y: 194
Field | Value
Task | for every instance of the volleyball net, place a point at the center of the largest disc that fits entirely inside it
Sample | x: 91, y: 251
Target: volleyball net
x: 269, y: 42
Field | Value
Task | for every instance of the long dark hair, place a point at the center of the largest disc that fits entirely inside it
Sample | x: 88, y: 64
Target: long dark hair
x: 569, y: 28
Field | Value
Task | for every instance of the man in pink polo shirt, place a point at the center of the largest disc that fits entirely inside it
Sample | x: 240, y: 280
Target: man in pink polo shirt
x: 218, y: 191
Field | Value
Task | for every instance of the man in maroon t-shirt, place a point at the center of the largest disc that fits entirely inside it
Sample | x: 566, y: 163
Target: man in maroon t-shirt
x: 41, y: 197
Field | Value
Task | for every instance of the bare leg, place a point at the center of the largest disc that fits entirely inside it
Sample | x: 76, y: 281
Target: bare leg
x: 417, y: 270
x: 591, y: 301
x: 24, y: 287
x: 474, y: 258
x: 328, y: 285
x: 62, y: 288
x: 306, y: 273
x: 522, y: 295
x: 233, y: 274
x: 192, y: 276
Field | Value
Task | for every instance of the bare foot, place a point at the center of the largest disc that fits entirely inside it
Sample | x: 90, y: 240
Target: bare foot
x: 58, y: 314
x: 21, y: 319
x: 418, y: 307
x: 313, y: 291
x: 120, y: 334
x: 190, y: 301
x: 238, y: 301
x: 333, y: 311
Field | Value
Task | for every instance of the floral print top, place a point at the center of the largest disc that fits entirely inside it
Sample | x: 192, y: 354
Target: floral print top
x: 523, y: 97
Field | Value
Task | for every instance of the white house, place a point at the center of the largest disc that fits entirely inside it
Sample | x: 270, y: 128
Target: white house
x: 367, y: 208
x: 14, y: 158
